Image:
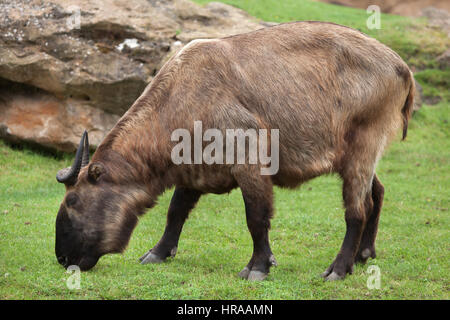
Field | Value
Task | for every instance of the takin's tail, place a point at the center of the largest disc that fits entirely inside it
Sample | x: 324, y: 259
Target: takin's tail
x: 408, y: 107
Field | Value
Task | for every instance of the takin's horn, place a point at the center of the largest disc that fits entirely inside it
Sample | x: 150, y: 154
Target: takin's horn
x: 85, y: 157
x: 69, y: 175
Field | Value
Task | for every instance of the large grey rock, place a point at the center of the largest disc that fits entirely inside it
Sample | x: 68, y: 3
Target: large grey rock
x: 444, y: 60
x: 91, y: 58
x: 399, y: 7
x: 439, y: 18
x: 33, y: 115
x: 418, y: 97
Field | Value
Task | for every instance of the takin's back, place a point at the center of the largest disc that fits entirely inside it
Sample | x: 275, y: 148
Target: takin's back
x: 316, y: 82
x: 312, y: 80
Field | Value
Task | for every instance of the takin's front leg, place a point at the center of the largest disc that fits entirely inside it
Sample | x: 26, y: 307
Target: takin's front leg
x: 258, y: 198
x: 183, y: 201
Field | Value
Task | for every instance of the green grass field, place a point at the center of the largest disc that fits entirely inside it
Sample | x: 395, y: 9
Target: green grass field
x: 413, y: 243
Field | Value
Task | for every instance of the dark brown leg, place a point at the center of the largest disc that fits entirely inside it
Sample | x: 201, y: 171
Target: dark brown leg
x: 183, y: 201
x: 257, y: 194
x: 367, y: 246
x: 355, y: 191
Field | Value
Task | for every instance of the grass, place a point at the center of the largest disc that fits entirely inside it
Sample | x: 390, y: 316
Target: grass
x: 412, y: 246
x: 413, y: 242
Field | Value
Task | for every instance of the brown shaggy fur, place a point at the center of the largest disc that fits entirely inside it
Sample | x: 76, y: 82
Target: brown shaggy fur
x: 337, y: 97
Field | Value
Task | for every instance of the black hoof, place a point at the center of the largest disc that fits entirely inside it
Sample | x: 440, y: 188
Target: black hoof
x: 333, y: 276
x: 244, y: 273
x: 256, y: 276
x: 151, y: 258
x: 252, y: 274
x: 336, y: 272
x: 143, y: 257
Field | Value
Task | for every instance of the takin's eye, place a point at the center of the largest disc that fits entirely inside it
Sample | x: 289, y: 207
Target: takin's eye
x: 71, y: 200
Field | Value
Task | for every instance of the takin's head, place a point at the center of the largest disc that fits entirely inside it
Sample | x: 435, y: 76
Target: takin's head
x: 99, y: 210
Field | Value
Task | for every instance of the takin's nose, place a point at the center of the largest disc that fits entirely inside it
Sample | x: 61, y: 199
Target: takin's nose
x: 62, y: 260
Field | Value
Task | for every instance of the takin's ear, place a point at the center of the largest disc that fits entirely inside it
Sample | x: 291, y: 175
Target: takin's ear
x: 95, y: 170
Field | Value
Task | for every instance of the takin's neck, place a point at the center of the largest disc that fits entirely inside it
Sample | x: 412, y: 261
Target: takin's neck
x: 135, y: 148
x: 142, y: 140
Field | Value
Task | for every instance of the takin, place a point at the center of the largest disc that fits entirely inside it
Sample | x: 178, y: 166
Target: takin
x: 336, y: 96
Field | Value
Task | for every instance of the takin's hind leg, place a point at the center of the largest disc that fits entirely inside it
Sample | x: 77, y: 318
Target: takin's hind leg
x: 258, y: 197
x: 374, y: 202
x: 355, y: 219
x: 356, y: 188
x: 364, y: 147
x: 183, y: 201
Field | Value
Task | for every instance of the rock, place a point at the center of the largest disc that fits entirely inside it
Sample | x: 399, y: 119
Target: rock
x: 269, y: 24
x: 432, y: 100
x: 66, y: 65
x: 444, y: 60
x: 438, y: 18
x: 214, y: 20
x: 400, y: 7
x: 418, y: 97
x: 36, y: 116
